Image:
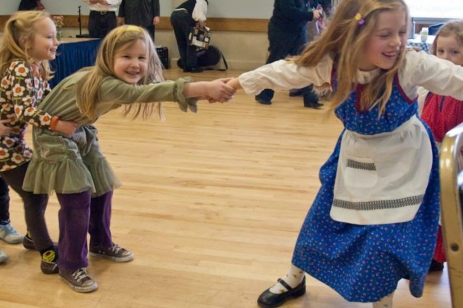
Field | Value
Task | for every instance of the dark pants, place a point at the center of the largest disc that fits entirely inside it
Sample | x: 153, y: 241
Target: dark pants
x: 81, y: 214
x: 281, y: 45
x: 4, y: 203
x: 101, y: 23
x: 34, y: 207
x: 150, y: 29
x: 182, y: 23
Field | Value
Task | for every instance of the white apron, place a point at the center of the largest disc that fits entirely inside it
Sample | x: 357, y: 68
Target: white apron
x: 381, y: 179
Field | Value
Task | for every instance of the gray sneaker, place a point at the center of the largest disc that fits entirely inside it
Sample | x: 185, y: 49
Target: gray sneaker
x: 10, y: 235
x: 114, y: 253
x: 3, y: 256
x: 79, y: 280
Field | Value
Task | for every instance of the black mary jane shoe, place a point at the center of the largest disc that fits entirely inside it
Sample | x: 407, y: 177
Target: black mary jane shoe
x: 314, y: 105
x: 270, y: 300
x: 262, y: 100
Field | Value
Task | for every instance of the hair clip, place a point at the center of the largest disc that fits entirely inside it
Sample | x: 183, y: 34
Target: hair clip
x: 359, y: 19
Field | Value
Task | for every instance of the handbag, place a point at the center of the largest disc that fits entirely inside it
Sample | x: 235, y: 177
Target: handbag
x: 200, y: 37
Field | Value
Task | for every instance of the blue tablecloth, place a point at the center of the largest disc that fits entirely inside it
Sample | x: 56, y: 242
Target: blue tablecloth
x: 71, y: 57
x: 425, y: 46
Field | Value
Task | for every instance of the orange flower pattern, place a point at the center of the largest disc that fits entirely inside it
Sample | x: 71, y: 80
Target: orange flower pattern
x: 20, y: 92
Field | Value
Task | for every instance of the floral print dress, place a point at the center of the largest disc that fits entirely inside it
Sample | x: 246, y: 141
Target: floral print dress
x: 21, y: 89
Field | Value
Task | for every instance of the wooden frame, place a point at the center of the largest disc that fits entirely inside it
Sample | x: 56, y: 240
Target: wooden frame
x: 451, y: 179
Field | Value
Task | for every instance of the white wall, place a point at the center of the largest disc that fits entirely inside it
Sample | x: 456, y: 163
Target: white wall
x: 217, y: 8
x: 243, y: 50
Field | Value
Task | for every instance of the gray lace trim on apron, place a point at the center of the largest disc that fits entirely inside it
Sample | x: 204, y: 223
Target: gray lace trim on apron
x: 378, y: 205
x: 362, y: 166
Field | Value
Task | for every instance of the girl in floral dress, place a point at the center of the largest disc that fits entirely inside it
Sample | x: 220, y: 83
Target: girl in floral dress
x: 29, y: 42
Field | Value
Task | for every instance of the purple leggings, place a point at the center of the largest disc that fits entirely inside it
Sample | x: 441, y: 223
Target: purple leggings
x: 81, y: 214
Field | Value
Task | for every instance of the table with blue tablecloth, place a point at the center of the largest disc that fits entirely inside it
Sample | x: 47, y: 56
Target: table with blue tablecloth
x: 425, y: 46
x: 72, y: 55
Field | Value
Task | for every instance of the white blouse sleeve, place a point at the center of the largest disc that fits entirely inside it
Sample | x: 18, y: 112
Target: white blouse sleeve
x: 283, y: 74
x: 200, y: 10
x: 435, y: 75
x: 422, y: 94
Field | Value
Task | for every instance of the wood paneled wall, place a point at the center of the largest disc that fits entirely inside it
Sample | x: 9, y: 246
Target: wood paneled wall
x: 217, y: 24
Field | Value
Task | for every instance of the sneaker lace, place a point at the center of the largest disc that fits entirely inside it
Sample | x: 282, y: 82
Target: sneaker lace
x: 80, y: 274
x: 10, y: 229
x: 116, y: 249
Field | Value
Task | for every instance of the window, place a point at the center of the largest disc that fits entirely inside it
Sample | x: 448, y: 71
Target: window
x: 443, y: 9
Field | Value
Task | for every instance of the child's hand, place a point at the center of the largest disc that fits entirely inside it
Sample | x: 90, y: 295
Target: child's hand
x: 66, y: 127
x: 224, y: 80
x: 4, y: 130
x: 219, y: 91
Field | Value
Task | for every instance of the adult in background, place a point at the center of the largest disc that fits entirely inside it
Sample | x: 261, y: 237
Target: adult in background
x: 143, y: 13
x: 189, y: 14
x: 30, y: 5
x: 102, y: 18
x: 287, y: 35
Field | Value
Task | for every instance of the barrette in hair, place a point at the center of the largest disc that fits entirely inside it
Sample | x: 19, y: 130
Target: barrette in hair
x: 359, y: 19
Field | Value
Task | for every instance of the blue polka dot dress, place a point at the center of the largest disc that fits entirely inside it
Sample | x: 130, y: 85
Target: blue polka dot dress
x: 364, y: 263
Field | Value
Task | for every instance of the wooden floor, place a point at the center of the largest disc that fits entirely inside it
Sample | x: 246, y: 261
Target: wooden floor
x: 211, y: 205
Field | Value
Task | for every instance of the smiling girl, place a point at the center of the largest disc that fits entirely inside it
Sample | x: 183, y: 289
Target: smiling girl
x: 374, y: 220
x: 127, y: 73
x: 29, y: 43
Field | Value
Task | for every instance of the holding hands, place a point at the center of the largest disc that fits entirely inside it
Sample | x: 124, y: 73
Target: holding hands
x: 213, y: 91
x: 66, y: 127
x: 5, y: 130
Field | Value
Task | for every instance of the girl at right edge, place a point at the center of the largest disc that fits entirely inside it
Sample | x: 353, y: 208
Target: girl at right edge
x: 374, y: 220
x: 441, y: 112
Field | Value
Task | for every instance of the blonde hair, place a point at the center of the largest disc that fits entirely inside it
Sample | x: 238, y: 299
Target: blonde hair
x: 451, y: 28
x: 20, y: 30
x: 345, y: 39
x: 119, y: 39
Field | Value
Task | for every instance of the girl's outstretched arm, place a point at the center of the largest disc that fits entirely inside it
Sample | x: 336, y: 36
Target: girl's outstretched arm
x: 235, y: 83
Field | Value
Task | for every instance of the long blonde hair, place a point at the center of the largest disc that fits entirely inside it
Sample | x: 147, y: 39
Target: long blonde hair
x: 118, y: 39
x: 345, y: 40
x: 20, y: 30
x: 455, y: 28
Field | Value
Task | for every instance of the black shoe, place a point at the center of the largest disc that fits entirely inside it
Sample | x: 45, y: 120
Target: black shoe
x: 262, y: 101
x: 270, y: 300
x: 436, y: 266
x: 192, y: 70
x: 314, y: 105
x: 295, y: 92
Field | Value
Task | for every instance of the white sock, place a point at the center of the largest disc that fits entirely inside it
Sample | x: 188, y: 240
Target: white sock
x: 385, y: 302
x: 293, y: 278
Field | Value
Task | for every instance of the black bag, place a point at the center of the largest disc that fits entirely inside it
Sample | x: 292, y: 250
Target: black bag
x: 163, y: 54
x: 209, y: 58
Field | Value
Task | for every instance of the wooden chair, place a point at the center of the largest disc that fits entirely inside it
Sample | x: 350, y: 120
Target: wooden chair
x: 451, y: 179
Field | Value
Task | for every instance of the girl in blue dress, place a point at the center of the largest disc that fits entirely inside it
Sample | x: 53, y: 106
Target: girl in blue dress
x: 374, y: 220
